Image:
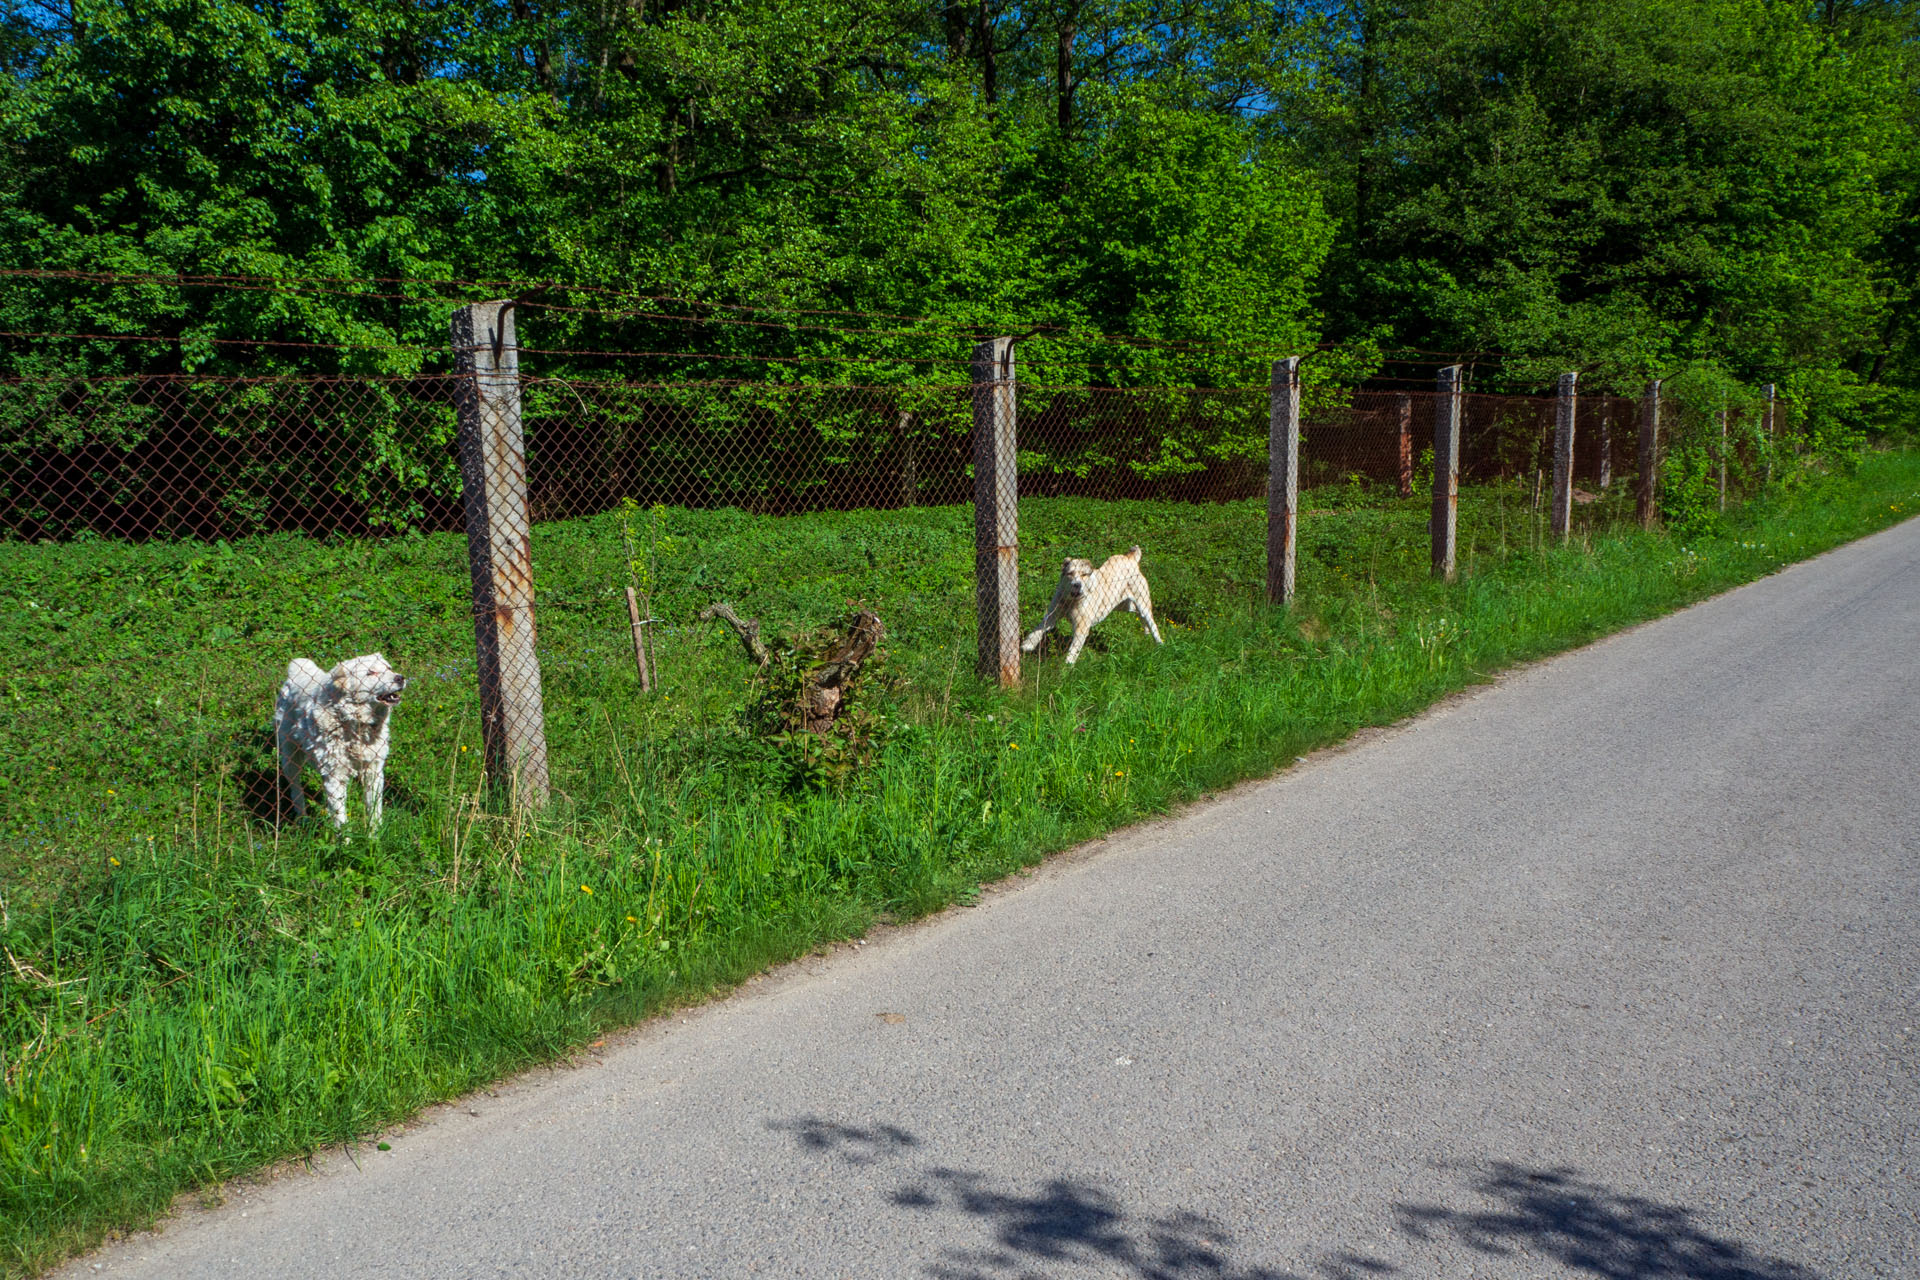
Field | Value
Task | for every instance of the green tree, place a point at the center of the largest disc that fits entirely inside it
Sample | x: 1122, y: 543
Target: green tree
x: 1617, y: 187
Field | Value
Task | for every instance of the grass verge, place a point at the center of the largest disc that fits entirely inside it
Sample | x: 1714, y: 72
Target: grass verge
x: 192, y: 992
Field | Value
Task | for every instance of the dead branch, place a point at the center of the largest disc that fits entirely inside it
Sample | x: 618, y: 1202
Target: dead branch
x: 748, y: 629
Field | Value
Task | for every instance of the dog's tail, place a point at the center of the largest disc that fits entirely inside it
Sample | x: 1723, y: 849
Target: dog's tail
x: 1135, y: 553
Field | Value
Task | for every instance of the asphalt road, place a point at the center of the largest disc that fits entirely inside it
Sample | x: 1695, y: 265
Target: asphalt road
x: 1609, y: 969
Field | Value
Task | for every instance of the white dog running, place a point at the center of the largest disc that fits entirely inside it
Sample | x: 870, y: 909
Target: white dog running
x: 338, y: 720
x: 1087, y: 595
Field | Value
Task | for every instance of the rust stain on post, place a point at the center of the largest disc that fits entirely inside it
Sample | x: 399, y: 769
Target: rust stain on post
x: 1009, y: 638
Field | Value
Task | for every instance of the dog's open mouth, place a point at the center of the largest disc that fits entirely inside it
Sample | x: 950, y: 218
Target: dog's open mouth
x: 390, y: 698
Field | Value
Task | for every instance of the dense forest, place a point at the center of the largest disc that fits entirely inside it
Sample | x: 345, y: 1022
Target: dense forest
x: 1721, y: 189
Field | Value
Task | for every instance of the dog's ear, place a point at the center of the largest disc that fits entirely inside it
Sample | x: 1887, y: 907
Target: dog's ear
x: 1066, y: 564
x: 1135, y: 553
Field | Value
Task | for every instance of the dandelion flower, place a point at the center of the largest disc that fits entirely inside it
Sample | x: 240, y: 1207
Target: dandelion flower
x: 1013, y: 746
x: 584, y: 889
x: 110, y: 791
x: 633, y: 920
x: 463, y: 751
x: 114, y: 861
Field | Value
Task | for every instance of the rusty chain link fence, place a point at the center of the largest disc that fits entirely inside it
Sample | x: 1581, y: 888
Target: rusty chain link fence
x: 534, y: 553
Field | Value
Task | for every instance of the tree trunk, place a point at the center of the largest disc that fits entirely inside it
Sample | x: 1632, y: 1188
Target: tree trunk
x: 989, y: 63
x: 825, y: 685
x: 1063, y: 70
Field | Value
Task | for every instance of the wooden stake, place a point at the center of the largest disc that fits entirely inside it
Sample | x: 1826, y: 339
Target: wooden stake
x: 640, y: 657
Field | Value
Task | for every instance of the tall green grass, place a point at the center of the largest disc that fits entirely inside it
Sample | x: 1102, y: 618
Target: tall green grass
x: 193, y: 992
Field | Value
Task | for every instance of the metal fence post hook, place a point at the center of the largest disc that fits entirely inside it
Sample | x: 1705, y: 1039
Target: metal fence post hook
x: 500, y: 330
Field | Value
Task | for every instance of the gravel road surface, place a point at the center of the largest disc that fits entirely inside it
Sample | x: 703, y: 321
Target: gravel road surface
x: 1609, y: 969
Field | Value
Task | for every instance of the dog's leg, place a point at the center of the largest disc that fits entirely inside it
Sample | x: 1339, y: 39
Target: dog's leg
x: 1143, y: 605
x: 1038, y: 636
x: 374, y: 784
x: 290, y: 769
x: 1080, y: 635
x: 335, y: 777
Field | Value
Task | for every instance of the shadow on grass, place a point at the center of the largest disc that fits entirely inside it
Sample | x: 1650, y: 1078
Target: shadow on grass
x: 1063, y: 1226
x: 267, y: 801
x: 264, y: 798
x: 1590, y: 1230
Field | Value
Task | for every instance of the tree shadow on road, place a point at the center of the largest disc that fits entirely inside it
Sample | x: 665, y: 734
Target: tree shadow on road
x: 1062, y: 1226
x: 1064, y: 1222
x: 1590, y: 1229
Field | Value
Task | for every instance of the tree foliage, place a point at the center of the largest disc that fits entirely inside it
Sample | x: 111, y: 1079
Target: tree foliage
x: 1626, y: 187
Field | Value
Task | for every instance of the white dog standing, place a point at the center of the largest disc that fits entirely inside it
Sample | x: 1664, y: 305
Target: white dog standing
x: 1086, y: 595
x: 339, y: 720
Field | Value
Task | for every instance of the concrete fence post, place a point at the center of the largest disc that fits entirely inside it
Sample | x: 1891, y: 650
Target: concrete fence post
x: 1606, y: 443
x: 1565, y: 403
x: 1406, y: 446
x: 1446, y: 470
x: 1723, y: 455
x: 1770, y: 435
x: 1649, y: 492
x: 1283, y: 478
x: 904, y: 424
x: 996, y: 512
x: 493, y: 484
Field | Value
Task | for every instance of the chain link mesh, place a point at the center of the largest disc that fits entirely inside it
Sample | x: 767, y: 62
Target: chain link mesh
x: 172, y: 543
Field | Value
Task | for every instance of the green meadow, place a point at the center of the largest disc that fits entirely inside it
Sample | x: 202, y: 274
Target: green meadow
x: 193, y: 989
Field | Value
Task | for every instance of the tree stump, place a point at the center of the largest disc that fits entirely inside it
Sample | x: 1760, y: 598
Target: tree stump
x: 819, y: 690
